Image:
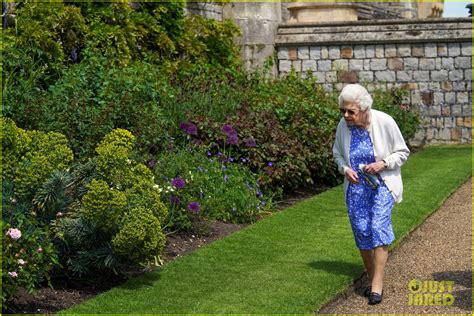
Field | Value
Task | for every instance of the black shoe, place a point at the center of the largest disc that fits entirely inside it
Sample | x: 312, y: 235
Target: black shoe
x: 367, y: 291
x: 375, y: 298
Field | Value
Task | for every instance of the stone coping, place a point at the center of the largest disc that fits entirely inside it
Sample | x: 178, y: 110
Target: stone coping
x: 378, y: 31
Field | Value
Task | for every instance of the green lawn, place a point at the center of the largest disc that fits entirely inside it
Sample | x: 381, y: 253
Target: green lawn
x: 292, y: 262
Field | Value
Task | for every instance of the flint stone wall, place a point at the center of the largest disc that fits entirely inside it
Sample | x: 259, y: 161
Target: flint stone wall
x: 432, y: 58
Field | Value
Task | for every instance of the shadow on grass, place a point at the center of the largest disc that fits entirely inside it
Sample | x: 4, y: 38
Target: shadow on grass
x: 337, y: 267
x: 146, y: 280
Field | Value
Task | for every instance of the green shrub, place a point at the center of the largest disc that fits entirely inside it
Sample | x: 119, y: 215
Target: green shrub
x: 42, y: 41
x: 111, y: 66
x: 306, y: 112
x: 29, y: 160
x: 196, y: 185
x: 105, y: 233
x: 103, y: 205
x: 291, y: 122
x: 92, y: 99
x: 140, y: 235
x: 29, y: 157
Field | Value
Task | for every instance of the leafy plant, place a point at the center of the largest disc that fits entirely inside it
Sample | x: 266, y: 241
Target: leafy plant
x: 28, y: 256
x: 29, y: 157
x: 198, y: 185
x: 104, y: 234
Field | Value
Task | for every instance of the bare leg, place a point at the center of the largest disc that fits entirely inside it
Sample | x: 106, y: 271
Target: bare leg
x: 368, y: 258
x: 380, y: 260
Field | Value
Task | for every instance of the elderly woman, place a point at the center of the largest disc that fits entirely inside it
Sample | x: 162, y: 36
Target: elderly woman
x: 369, y: 150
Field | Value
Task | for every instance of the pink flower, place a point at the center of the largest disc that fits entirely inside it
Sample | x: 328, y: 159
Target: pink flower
x: 13, y: 274
x: 14, y: 233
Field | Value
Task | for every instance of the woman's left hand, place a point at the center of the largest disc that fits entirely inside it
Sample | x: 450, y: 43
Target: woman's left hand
x: 374, y: 167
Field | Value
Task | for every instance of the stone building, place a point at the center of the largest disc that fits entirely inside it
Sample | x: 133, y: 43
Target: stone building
x: 379, y: 44
x: 259, y: 21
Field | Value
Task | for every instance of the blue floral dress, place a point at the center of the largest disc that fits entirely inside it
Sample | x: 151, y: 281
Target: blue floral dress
x: 369, y: 208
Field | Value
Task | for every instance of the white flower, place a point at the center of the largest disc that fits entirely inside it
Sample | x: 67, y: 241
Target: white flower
x: 129, y: 161
x: 21, y: 262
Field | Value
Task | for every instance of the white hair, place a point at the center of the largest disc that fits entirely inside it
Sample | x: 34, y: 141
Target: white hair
x: 357, y: 94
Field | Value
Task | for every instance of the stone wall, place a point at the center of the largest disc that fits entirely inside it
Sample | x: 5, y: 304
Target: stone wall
x: 258, y: 22
x: 431, y: 58
x: 209, y: 10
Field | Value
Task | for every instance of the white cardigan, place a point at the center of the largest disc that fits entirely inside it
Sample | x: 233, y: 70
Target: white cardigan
x: 388, y: 145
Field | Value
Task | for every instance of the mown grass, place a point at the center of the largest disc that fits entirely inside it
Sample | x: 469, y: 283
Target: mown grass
x: 292, y: 262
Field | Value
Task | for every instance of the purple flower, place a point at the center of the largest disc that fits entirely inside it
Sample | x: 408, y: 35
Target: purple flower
x: 270, y: 164
x: 243, y: 160
x: 226, y: 178
x: 231, y: 159
x: 151, y: 163
x: 232, y: 140
x: 259, y: 193
x: 209, y: 154
x: 184, y: 126
x: 188, y: 128
x: 192, y: 129
x: 194, y: 207
x: 229, y: 130
x: 174, y: 200
x: 219, y: 154
x: 178, y: 183
x: 250, y: 142
x: 14, y: 233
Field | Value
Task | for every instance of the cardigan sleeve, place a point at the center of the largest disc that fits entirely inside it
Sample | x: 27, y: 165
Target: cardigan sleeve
x: 399, y: 150
x: 338, y: 150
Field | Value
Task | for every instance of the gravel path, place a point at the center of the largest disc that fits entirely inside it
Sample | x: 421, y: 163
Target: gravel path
x: 439, y: 250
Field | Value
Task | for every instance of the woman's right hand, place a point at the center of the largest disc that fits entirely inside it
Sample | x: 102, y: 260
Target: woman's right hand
x: 352, y: 176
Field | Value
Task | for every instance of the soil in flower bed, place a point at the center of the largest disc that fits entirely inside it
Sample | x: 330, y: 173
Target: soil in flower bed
x: 66, y: 293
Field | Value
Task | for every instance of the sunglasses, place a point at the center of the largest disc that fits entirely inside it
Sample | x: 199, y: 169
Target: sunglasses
x: 349, y: 112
